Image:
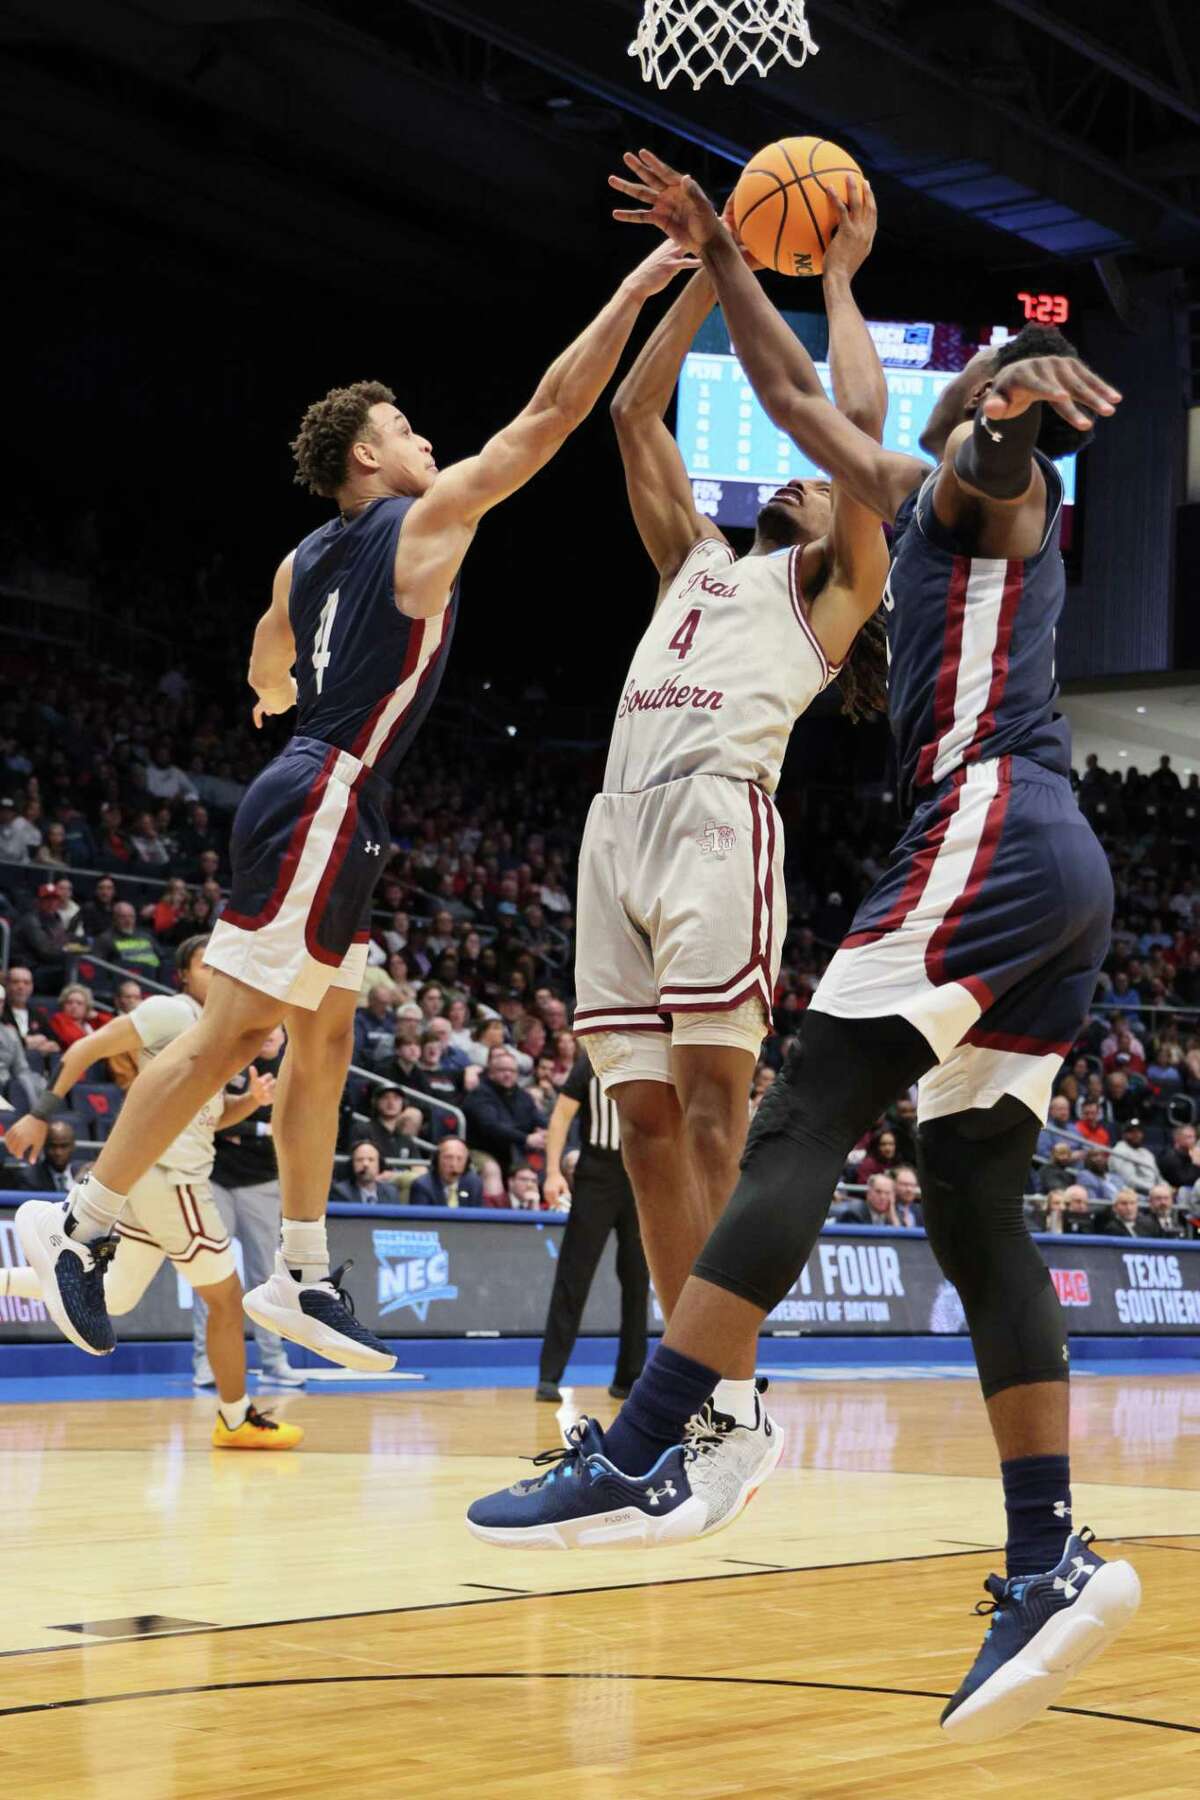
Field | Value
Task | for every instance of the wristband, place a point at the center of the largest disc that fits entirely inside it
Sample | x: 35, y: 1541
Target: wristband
x: 48, y: 1105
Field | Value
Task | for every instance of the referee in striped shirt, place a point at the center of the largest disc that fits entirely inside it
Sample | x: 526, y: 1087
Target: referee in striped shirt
x: 602, y: 1202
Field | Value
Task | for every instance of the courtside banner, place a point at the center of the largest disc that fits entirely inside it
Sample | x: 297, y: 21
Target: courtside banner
x: 430, y: 1272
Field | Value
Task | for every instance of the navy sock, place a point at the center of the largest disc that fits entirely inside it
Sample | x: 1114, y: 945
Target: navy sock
x: 1037, y: 1500
x: 668, y: 1391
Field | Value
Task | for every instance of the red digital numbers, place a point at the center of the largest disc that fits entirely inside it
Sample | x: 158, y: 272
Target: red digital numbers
x: 1046, y: 309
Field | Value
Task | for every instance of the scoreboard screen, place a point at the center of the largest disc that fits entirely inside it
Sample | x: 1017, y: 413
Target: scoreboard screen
x: 736, y: 458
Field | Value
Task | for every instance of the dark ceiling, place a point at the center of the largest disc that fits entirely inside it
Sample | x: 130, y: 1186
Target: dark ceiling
x: 463, y: 144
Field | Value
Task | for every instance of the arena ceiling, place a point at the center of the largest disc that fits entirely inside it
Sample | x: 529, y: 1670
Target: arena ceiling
x: 458, y: 143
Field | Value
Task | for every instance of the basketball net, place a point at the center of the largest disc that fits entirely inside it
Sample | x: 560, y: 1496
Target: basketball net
x: 699, y: 38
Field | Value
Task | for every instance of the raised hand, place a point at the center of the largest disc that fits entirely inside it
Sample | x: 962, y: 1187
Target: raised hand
x: 1063, y: 382
x: 857, y: 219
x: 260, y: 1087
x: 673, y: 202
x: 275, y: 700
x: 659, y: 269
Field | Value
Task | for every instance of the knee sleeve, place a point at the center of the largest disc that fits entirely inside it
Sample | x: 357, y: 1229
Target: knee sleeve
x: 973, y: 1167
x: 837, y: 1079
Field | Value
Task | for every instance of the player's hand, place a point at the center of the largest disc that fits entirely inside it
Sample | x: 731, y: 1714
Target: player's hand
x: 748, y: 257
x: 25, y: 1138
x: 272, y: 701
x: 555, y: 1192
x: 673, y: 202
x: 659, y: 269
x: 1063, y: 382
x: 858, y: 217
x: 260, y: 1087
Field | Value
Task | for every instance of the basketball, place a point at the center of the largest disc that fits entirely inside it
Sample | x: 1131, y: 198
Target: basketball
x: 783, y: 206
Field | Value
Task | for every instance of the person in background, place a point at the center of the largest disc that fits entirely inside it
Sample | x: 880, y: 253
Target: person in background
x: 123, y: 1066
x: 1058, y: 1121
x: 1162, y: 1219
x: 1095, y: 1179
x: 450, y: 1182
x: 602, y: 1203
x: 501, y: 1118
x: 1077, y: 1214
x: 367, y: 1184
x: 392, y: 1127
x: 127, y: 944
x: 245, y: 1187
x: 97, y: 917
x: 52, y: 1173
x: 876, y: 1207
x: 17, y: 1080
x: 908, y: 1196
x: 1132, y: 1162
x: 30, y: 1025
x: 524, y: 1194
x: 40, y: 938
x: 78, y: 1015
x: 1123, y: 1221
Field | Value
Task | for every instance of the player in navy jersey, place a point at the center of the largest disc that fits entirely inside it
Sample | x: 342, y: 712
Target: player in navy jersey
x: 356, y: 638
x: 968, y: 969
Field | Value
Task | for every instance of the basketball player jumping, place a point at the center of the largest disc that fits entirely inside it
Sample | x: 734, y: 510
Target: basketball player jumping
x: 968, y: 968
x: 171, y: 1212
x: 682, y: 905
x: 363, y: 612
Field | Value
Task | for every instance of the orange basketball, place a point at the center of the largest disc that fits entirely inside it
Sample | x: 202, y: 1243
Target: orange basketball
x: 782, y: 206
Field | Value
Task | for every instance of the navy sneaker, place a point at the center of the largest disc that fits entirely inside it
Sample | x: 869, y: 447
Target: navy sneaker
x: 71, y: 1273
x: 584, y: 1502
x: 319, y: 1315
x: 1043, y: 1629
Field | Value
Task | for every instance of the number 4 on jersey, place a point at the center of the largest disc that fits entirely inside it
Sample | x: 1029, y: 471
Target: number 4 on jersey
x: 682, y: 641
x: 322, y: 655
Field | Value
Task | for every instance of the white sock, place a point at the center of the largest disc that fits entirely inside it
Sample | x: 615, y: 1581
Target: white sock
x: 94, y: 1210
x: 305, y: 1250
x: 737, y: 1399
x: 21, y: 1284
x: 234, y: 1412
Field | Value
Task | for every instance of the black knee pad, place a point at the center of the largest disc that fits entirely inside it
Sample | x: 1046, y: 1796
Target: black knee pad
x: 973, y: 1167
x: 837, y: 1079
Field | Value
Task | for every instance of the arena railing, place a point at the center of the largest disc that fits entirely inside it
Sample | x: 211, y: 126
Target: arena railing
x: 425, y: 1101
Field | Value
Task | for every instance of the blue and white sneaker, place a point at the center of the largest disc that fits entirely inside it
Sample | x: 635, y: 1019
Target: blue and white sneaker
x: 319, y: 1315
x: 585, y: 1502
x: 71, y: 1273
x: 1044, y: 1628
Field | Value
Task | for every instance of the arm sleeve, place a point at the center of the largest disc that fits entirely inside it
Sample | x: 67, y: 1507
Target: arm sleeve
x: 162, y: 1018
x: 997, y: 458
x: 575, y: 1087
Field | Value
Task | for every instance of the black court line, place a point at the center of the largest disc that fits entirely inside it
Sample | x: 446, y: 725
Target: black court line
x: 767, y: 1681
x: 487, y: 1587
x: 744, y: 1562
x: 509, y: 1596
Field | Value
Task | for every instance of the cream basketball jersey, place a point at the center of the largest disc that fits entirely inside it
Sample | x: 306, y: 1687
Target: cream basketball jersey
x: 724, y: 669
x: 158, y: 1022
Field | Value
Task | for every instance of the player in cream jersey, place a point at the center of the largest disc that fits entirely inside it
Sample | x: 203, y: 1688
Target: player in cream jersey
x: 682, y: 909
x: 725, y: 668
x: 170, y: 1212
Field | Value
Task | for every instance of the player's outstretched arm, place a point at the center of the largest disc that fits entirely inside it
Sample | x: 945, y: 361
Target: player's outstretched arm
x: 777, y: 365
x: 660, y: 493
x: 859, y: 384
x: 274, y: 651
x: 26, y: 1136
x: 439, y: 529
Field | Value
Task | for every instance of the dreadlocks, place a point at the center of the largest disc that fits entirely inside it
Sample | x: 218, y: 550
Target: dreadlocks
x: 863, y: 680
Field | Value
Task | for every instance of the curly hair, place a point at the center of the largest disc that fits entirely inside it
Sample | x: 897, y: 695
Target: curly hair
x: 1055, y: 437
x: 329, y: 428
x: 863, y: 680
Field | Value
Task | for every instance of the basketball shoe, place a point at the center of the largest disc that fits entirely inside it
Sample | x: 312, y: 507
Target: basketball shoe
x: 257, y: 1431
x: 71, y: 1274
x: 277, y: 1371
x: 585, y: 1502
x: 1043, y: 1629
x: 319, y: 1315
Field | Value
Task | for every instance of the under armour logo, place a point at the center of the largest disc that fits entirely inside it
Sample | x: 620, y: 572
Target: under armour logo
x: 372, y: 849
x: 1070, y: 1586
x: 997, y: 437
x: 1061, y: 1509
x: 667, y: 1491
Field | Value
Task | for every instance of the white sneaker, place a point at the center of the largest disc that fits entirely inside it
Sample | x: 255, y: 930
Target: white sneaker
x: 280, y: 1373
x: 319, y: 1315
x: 731, y: 1461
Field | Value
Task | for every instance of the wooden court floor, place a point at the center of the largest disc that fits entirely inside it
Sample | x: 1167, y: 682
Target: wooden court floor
x: 325, y: 1626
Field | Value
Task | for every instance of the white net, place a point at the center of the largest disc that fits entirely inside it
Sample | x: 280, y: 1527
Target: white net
x: 699, y: 38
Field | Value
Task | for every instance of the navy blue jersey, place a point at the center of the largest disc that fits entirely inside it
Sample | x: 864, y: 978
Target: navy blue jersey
x: 971, y: 647
x: 366, y: 674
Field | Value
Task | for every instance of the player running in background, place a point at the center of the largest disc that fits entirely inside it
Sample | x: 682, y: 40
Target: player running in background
x: 170, y: 1212
x: 363, y: 612
x: 968, y: 967
x: 682, y: 907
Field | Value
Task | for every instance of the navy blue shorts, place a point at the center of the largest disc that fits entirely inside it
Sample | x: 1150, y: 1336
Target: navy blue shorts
x: 309, y: 843
x: 987, y: 931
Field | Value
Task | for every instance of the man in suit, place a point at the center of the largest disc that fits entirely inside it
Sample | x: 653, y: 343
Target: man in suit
x: 52, y: 1171
x: 450, y: 1182
x: 1162, y: 1220
x: 1123, y: 1221
x: 369, y: 1183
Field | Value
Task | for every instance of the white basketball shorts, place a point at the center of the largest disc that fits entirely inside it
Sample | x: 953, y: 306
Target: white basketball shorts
x: 167, y: 1219
x: 682, y: 914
